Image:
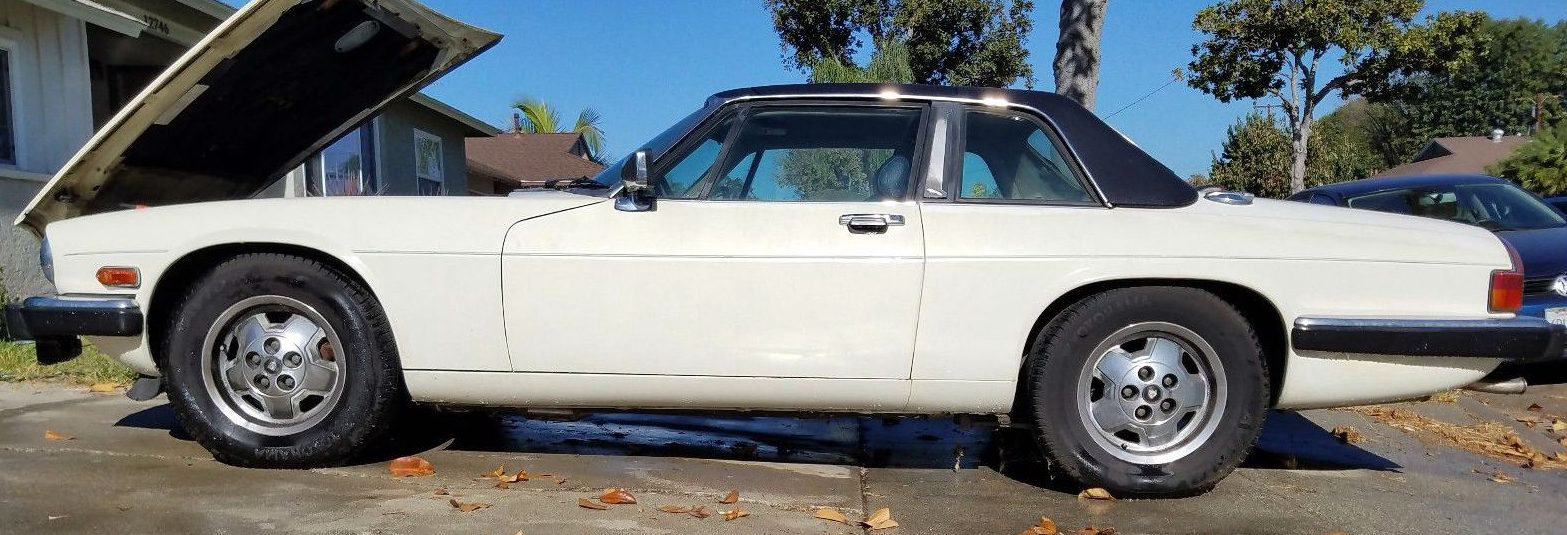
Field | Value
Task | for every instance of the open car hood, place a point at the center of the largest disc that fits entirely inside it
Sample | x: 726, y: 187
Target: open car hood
x: 268, y: 87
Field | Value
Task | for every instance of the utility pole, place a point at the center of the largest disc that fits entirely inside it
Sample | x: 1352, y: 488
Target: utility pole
x: 1269, y: 107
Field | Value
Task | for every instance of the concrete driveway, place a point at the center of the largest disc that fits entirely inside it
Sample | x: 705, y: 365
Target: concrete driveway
x: 127, y: 470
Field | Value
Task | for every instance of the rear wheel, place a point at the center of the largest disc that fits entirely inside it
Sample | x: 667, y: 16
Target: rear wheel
x: 276, y: 360
x: 1148, y: 390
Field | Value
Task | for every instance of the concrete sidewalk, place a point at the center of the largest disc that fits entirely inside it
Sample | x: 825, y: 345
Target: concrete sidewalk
x: 127, y: 471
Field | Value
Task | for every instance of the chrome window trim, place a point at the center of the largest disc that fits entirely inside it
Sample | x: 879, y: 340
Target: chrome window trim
x: 992, y: 103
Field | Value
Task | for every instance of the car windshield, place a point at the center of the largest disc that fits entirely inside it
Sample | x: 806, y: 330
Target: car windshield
x: 1493, y: 206
x: 610, y: 176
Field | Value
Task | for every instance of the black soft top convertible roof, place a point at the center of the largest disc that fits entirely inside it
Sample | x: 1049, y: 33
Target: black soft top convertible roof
x: 1125, y: 174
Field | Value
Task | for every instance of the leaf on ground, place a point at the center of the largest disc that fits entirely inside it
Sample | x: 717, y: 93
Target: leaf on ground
x: 1535, y: 407
x: 520, y: 476
x: 731, y: 515
x: 467, y: 507
x: 1348, y: 435
x: 675, y: 509
x: 732, y: 497
x: 1095, y: 531
x: 1501, y: 477
x: 442, y: 492
x: 614, y: 495
x: 102, y: 388
x: 410, y: 466
x: 1046, y: 527
x: 590, y: 504
x: 52, y: 435
x: 1096, y: 493
x: 881, y: 519
x: 833, y: 515
x: 1558, y: 426
x: 699, y: 512
x: 497, y: 473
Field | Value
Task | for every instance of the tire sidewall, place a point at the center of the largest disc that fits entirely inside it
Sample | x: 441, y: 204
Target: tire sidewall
x: 352, y: 417
x: 1070, y: 350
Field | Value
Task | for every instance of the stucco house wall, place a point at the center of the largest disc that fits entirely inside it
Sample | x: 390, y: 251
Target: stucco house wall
x: 395, y: 158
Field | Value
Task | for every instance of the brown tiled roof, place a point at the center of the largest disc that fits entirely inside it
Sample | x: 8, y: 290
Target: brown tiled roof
x: 530, y: 158
x: 1457, y: 155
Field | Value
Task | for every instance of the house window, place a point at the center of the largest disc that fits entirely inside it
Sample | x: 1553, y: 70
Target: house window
x: 7, y: 121
x: 427, y: 163
x: 346, y: 167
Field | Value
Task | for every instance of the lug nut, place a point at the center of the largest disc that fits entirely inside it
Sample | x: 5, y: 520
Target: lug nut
x: 1143, y: 412
x: 1129, y: 392
x: 262, y: 381
x: 285, y: 382
x: 1168, y: 405
x: 1145, y: 373
x: 272, y: 346
x: 292, y: 360
x: 252, y: 359
x: 1169, y: 381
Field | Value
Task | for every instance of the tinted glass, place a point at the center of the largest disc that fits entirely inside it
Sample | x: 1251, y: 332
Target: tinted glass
x: 1493, y: 206
x: 683, y: 180
x: 1010, y: 157
x: 821, y: 153
x: 660, y: 143
x: 1318, y: 198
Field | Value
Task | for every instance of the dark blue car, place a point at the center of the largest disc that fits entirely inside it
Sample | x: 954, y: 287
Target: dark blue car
x: 1533, y: 228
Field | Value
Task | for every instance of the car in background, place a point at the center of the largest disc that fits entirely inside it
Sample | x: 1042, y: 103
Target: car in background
x: 1559, y: 202
x: 1536, y: 231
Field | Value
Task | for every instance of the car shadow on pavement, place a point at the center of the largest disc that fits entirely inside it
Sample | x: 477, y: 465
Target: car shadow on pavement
x: 1288, y: 440
x: 1291, y: 441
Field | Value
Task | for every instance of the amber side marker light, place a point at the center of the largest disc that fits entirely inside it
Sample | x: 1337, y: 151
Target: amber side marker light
x: 119, y: 277
x: 1507, y: 286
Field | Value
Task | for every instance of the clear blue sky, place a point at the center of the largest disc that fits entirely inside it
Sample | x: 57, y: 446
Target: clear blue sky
x: 643, y: 65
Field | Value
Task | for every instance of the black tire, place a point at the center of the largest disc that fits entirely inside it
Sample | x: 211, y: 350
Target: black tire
x: 1065, y: 348
x: 372, y: 395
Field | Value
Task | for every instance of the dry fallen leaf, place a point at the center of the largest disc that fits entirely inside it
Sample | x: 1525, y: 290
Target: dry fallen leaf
x: 1535, y: 407
x: 468, y: 507
x: 675, y: 509
x: 1096, y: 531
x: 832, y: 514
x: 615, y: 495
x: 731, y: 515
x: 881, y: 519
x: 410, y: 466
x: 1096, y: 493
x: 590, y: 504
x: 497, y: 473
x: 51, y: 435
x: 1557, y: 426
x: 699, y: 512
x: 520, y: 476
x: 1501, y: 477
x: 1348, y: 435
x: 1046, y: 527
x: 102, y: 388
x: 732, y: 497
x: 442, y: 492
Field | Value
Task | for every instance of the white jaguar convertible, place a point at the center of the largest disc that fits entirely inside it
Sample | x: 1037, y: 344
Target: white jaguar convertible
x: 809, y: 248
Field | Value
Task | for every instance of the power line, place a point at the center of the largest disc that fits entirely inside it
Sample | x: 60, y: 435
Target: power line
x: 1173, y: 79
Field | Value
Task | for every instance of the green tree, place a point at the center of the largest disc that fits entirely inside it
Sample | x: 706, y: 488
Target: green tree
x: 538, y: 117
x: 1541, y: 164
x: 1077, y: 49
x: 1522, y: 64
x: 952, y: 42
x: 1257, y: 154
x: 1275, y: 48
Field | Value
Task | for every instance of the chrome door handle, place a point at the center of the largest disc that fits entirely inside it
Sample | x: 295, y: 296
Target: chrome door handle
x: 870, y: 223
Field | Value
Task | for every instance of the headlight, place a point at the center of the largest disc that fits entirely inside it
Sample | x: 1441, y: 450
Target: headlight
x: 46, y: 260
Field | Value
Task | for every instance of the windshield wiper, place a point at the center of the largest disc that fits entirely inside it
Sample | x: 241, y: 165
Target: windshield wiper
x: 578, y: 183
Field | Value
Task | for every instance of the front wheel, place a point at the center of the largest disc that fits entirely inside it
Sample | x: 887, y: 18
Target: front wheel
x: 1148, y: 390
x: 280, y: 361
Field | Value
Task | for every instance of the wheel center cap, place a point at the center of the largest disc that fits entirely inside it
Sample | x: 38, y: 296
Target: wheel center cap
x: 273, y: 365
x: 1151, y: 393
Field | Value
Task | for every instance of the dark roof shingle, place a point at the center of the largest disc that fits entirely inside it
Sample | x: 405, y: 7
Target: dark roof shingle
x: 531, y: 159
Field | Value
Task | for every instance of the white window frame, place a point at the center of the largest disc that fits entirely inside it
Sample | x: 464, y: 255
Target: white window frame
x: 11, y: 42
x: 440, y: 164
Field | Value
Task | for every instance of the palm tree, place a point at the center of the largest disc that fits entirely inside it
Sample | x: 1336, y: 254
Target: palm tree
x: 538, y: 117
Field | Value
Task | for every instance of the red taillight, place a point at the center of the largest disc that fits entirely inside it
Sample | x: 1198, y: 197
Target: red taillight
x: 1507, y: 286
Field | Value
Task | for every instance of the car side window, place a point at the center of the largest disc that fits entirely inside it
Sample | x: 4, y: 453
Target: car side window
x: 1318, y: 198
x: 1007, y: 156
x: 684, y: 179
x: 820, y: 153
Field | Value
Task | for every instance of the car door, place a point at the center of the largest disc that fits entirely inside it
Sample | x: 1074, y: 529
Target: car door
x: 783, y: 244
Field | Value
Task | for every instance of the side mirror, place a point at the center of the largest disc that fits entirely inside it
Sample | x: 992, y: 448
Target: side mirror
x: 636, y: 195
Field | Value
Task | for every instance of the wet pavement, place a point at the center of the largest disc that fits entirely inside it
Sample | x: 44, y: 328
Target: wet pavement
x: 128, y: 470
